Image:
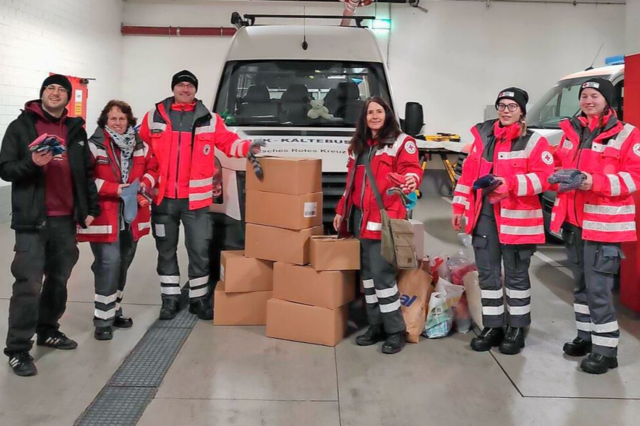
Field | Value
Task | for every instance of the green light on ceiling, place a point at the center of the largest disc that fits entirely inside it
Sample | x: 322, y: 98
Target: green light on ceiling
x: 382, y: 24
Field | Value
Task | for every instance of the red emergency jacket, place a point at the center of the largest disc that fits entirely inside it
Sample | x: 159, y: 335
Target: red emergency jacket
x: 399, y: 157
x: 606, y: 213
x: 208, y: 132
x: 105, y: 227
x: 525, y: 162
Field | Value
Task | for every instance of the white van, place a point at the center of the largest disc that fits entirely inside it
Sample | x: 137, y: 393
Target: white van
x: 267, y: 86
x: 561, y: 102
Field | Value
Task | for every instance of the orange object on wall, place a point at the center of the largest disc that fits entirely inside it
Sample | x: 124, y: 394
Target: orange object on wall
x: 77, y: 106
x: 630, y: 271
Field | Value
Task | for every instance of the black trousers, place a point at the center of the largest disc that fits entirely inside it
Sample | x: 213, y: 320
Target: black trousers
x: 36, y: 307
x: 594, y: 267
x: 166, y: 219
x: 490, y: 254
x: 110, y: 267
x: 379, y: 280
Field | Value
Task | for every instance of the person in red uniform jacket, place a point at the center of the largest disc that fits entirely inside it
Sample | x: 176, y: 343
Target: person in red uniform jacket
x: 378, y: 140
x: 506, y: 224
x: 183, y: 135
x: 120, y: 158
x: 597, y: 217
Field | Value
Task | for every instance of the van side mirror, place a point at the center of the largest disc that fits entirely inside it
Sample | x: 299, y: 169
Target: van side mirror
x: 413, y: 119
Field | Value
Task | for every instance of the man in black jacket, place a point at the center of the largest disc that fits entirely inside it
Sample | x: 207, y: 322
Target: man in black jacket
x: 50, y: 196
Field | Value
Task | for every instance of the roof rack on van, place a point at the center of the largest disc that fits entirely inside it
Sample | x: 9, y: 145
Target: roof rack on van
x: 250, y: 19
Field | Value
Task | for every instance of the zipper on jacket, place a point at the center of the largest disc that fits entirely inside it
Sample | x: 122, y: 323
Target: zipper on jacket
x: 364, y: 186
x: 179, y: 149
x: 575, y: 192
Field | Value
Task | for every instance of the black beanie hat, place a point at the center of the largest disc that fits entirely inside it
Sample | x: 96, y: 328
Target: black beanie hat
x: 57, y: 79
x: 518, y: 95
x: 605, y: 87
x: 184, y: 75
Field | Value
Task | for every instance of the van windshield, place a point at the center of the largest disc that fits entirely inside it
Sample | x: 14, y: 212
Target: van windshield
x: 559, y: 103
x: 298, y: 93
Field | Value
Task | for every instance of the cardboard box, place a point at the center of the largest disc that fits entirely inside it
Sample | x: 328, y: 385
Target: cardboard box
x: 279, y: 245
x: 283, y: 210
x: 294, y: 176
x: 243, y: 274
x: 240, y: 308
x: 304, y: 323
x: 418, y: 237
x: 328, y: 253
x: 303, y: 284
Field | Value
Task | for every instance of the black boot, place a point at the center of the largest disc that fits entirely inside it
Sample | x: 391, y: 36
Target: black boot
x: 513, y: 341
x: 373, y: 335
x: 394, y: 343
x: 578, y: 347
x: 598, y: 364
x: 169, y: 310
x: 489, y: 338
x: 202, y: 308
x: 103, y: 333
x: 122, y: 322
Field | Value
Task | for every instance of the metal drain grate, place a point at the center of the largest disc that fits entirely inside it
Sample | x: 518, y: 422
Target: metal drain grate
x: 117, y: 407
x: 124, y: 398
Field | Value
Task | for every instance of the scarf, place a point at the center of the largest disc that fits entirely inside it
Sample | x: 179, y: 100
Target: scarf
x: 127, y: 143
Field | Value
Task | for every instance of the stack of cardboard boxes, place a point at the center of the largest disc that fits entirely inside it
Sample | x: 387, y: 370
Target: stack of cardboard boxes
x: 283, y: 235
x: 245, y: 286
x: 310, y: 302
x: 282, y: 212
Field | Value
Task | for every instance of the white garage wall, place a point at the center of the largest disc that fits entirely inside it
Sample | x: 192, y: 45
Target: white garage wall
x: 456, y: 58
x: 73, y: 37
x: 453, y: 59
x: 633, y: 29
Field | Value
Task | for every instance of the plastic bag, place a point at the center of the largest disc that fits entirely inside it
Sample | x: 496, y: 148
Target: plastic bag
x: 474, y: 297
x: 441, y: 305
x: 435, y: 266
x: 462, y: 316
x: 415, y: 289
x: 459, y: 265
x: 465, y: 239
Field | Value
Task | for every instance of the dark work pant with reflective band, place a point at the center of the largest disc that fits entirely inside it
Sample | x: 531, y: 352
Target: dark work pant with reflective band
x: 380, y: 285
x: 36, y: 307
x: 110, y: 267
x: 490, y: 255
x: 166, y: 220
x: 594, y: 267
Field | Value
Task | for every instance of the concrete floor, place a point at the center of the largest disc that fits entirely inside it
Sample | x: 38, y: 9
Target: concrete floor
x: 236, y: 376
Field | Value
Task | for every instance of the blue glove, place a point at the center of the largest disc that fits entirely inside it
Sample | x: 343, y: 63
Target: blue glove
x: 129, y: 196
x: 488, y: 184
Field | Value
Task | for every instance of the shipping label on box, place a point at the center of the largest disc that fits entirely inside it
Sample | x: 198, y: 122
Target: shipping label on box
x: 303, y: 284
x: 240, y: 308
x: 278, y: 244
x: 242, y: 274
x: 284, y: 210
x: 304, y: 323
x: 294, y: 176
x: 328, y: 253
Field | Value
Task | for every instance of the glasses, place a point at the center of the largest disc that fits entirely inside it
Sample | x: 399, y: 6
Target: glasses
x: 510, y: 107
x: 54, y: 89
x: 185, y: 86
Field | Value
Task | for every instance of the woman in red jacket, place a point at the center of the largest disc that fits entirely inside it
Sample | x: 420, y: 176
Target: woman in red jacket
x: 379, y: 142
x: 122, y: 161
x: 596, y: 217
x: 506, y: 223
